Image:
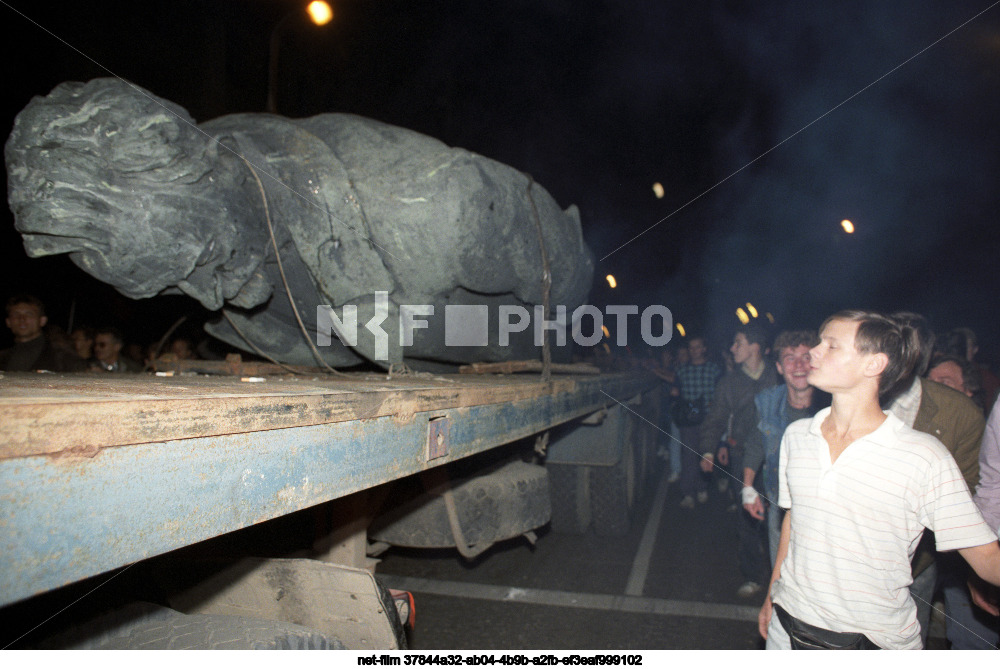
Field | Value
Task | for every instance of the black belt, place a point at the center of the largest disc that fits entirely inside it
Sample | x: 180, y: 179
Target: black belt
x: 809, y: 637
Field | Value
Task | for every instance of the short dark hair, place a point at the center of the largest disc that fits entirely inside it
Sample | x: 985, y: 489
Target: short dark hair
x: 794, y: 339
x: 25, y: 299
x: 756, y: 333
x: 86, y: 331
x: 925, y: 338
x: 971, y: 378
x: 115, y: 333
x: 881, y: 334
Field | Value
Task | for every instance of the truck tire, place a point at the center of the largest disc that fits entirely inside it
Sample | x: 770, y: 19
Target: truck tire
x: 569, y: 486
x: 503, y: 504
x: 143, y: 626
x: 613, y: 493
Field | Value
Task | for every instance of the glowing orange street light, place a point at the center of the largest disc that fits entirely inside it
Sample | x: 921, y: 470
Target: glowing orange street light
x: 847, y: 226
x: 680, y: 328
x: 752, y: 310
x: 742, y: 315
x: 320, y: 12
x: 658, y: 190
x: 611, y: 281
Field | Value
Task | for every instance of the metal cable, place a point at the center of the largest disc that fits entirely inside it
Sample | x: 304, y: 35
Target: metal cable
x: 546, y: 285
x: 281, y: 270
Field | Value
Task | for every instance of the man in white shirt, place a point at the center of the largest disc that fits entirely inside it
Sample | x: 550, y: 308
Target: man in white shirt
x: 860, y: 487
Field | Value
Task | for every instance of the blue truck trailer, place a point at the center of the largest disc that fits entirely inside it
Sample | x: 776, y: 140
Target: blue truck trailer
x: 102, y: 473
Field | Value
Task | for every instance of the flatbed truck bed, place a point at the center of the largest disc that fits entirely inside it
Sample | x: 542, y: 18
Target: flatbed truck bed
x: 100, y: 471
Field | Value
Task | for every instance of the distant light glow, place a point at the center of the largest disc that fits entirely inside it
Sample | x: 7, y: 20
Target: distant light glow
x: 769, y: 317
x: 604, y: 329
x: 658, y: 190
x: 752, y: 309
x: 611, y: 281
x: 680, y: 328
x: 847, y: 226
x: 742, y: 315
x: 320, y: 12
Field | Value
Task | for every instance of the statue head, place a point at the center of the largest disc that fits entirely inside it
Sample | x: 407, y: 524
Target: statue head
x: 129, y: 187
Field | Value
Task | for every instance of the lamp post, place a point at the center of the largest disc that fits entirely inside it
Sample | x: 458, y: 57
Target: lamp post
x: 320, y: 13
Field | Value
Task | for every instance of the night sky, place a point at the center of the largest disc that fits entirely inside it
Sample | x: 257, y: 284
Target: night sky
x: 766, y: 123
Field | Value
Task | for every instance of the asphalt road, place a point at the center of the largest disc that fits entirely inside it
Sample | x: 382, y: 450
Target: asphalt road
x: 670, y: 583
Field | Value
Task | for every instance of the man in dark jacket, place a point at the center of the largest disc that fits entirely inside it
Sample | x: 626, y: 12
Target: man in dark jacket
x: 32, y: 350
x: 108, y: 344
x: 731, y: 421
x: 957, y: 423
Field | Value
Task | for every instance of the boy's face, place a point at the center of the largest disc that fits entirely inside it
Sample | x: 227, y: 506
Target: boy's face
x: 696, y: 350
x: 950, y: 374
x: 106, y: 348
x: 834, y: 363
x: 742, y: 349
x: 181, y: 348
x: 25, y: 321
x: 793, y: 366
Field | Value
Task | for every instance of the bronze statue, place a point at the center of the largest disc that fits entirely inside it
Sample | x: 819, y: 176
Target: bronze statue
x: 143, y: 198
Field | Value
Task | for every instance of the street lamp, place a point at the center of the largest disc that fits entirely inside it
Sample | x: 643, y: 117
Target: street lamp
x: 320, y: 13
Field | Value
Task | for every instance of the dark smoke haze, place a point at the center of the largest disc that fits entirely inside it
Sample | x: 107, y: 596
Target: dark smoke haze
x: 912, y: 161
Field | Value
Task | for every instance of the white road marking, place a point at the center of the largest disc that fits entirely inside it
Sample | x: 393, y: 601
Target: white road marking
x: 640, y: 566
x: 579, y: 600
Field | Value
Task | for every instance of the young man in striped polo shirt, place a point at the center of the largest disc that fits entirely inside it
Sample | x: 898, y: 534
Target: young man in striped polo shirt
x: 860, y: 487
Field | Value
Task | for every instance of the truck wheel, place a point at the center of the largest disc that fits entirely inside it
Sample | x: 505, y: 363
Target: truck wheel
x: 613, y: 494
x: 143, y: 626
x: 500, y: 505
x: 570, y: 489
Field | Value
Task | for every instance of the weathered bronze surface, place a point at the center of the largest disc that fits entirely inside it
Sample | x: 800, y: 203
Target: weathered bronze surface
x: 143, y: 198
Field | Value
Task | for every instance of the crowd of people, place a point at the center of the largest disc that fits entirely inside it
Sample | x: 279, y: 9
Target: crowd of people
x: 861, y: 463
x: 40, y: 346
x: 866, y: 433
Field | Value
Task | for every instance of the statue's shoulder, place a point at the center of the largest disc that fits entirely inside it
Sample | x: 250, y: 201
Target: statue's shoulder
x: 347, y: 132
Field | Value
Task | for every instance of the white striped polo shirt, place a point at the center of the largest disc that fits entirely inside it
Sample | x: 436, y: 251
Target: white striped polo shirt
x: 856, y: 523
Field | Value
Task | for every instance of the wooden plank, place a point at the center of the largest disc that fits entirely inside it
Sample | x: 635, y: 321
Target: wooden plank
x: 515, y: 366
x: 49, y: 414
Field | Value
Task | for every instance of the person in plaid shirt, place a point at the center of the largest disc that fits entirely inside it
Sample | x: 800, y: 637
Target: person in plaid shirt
x: 696, y: 380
